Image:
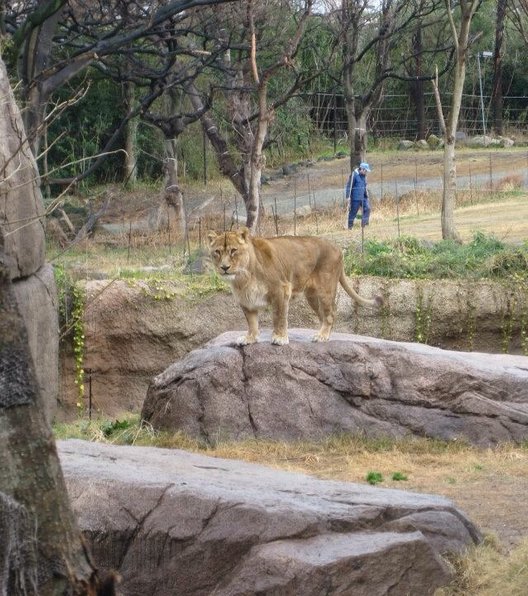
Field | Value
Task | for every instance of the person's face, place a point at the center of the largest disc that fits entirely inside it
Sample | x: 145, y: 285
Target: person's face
x: 363, y: 171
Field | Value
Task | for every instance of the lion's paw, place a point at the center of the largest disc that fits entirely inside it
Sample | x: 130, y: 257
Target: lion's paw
x: 279, y: 340
x: 246, y: 340
x: 319, y: 338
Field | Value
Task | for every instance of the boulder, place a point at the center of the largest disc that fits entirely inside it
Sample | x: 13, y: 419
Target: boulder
x: 352, y: 384
x: 172, y: 522
x: 405, y: 145
x: 434, y: 141
x: 21, y: 207
x: 37, y: 301
x: 22, y: 239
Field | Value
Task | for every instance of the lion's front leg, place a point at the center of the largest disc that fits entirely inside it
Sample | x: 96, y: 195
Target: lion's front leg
x: 253, y: 331
x: 280, y: 305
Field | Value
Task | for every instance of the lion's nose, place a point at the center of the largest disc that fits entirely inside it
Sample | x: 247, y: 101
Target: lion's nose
x: 224, y: 268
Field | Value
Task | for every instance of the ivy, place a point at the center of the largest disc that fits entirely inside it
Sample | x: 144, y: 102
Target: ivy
x: 72, y: 304
x: 79, y: 344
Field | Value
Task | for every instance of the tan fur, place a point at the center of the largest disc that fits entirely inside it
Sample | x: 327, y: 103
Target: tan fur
x: 271, y: 271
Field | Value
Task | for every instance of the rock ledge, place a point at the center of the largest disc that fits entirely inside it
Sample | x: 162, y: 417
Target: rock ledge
x: 173, y: 522
x: 352, y: 384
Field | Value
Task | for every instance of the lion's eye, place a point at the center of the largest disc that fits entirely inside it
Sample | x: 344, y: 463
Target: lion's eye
x: 233, y: 251
x: 216, y: 253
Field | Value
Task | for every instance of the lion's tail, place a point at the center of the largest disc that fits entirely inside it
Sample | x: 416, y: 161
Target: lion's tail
x: 376, y: 301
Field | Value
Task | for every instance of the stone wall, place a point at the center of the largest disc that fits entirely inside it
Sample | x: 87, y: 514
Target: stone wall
x: 133, y: 332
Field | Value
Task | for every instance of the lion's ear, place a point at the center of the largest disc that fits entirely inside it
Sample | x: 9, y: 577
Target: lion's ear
x: 244, y: 233
x: 211, y: 237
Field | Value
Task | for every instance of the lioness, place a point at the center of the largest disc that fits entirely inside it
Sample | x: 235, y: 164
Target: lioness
x: 271, y: 271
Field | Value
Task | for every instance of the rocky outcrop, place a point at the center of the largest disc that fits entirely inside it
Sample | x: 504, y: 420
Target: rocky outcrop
x: 351, y: 384
x: 172, y: 522
x: 37, y: 301
x: 135, y: 330
x: 22, y: 238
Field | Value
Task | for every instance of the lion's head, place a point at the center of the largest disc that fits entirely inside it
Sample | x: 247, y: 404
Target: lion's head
x: 230, y: 251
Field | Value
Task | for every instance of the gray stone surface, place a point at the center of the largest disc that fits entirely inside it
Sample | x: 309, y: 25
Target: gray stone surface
x: 22, y: 236
x: 352, y: 384
x: 21, y: 207
x: 173, y: 522
x: 37, y: 301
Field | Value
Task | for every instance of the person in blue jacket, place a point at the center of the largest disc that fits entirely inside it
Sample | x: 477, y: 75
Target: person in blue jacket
x: 356, y: 192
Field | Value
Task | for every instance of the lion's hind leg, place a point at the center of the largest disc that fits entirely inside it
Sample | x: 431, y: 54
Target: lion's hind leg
x: 280, y: 303
x: 324, y: 307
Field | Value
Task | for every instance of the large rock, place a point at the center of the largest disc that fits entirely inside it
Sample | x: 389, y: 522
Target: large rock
x: 21, y: 207
x: 351, y: 384
x: 22, y: 238
x: 37, y: 301
x: 134, y: 330
x: 172, y: 522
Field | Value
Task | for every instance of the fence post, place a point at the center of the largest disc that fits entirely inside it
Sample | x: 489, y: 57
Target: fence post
x: 294, y: 207
x: 398, y: 212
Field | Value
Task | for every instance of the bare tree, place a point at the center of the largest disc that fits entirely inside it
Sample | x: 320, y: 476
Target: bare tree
x: 460, y: 29
x: 368, y: 33
x: 518, y: 14
x: 54, y: 40
x: 261, y: 41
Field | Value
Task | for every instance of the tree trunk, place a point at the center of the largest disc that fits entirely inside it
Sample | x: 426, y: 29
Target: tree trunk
x: 357, y: 130
x: 449, y: 191
x: 130, y: 136
x: 34, y: 60
x: 173, y: 195
x: 257, y: 157
x: 496, y: 95
x: 41, y: 549
x: 417, y: 86
x: 460, y: 38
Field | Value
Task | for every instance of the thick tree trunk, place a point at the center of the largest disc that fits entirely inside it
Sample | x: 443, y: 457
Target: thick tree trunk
x: 41, y: 548
x: 449, y: 191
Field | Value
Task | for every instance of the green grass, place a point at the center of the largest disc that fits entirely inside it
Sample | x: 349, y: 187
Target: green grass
x: 484, y: 257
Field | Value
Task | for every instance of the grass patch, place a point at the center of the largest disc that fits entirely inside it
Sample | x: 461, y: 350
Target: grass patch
x: 485, y: 257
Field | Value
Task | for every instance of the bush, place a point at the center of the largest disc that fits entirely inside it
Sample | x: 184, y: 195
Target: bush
x: 483, y: 257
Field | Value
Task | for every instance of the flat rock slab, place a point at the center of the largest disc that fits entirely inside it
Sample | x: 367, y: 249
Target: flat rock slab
x: 352, y: 384
x: 172, y: 522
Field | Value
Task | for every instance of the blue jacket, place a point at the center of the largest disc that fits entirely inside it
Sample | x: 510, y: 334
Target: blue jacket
x: 356, y: 187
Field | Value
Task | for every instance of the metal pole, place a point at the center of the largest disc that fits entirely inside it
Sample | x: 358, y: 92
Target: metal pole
x: 88, y: 371
x: 481, y: 96
x: 204, y: 148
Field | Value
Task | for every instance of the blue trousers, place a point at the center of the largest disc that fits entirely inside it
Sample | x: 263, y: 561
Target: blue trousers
x: 353, y: 211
